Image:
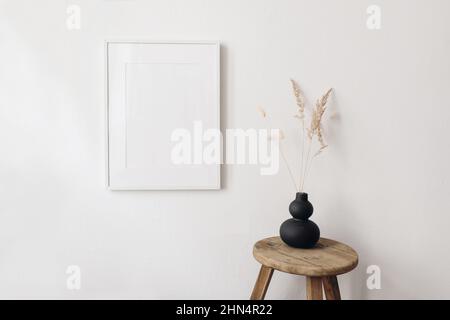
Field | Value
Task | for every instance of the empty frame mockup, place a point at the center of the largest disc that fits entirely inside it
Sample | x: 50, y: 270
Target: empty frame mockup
x: 153, y: 90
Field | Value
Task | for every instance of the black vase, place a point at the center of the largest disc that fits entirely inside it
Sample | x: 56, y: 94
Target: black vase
x: 299, y: 231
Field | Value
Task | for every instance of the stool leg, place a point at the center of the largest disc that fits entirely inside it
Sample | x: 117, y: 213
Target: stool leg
x: 262, y: 283
x: 331, y: 288
x: 314, y: 288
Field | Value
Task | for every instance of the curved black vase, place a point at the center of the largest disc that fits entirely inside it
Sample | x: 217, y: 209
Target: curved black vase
x: 299, y: 232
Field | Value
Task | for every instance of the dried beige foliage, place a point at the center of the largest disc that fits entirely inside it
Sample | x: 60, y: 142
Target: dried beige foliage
x: 316, y: 119
x: 300, y: 99
x: 262, y: 112
x: 315, y: 129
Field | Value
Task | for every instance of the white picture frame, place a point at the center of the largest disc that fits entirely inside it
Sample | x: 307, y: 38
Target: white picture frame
x: 153, y: 88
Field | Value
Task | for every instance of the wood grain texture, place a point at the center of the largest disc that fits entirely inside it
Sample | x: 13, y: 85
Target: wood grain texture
x: 331, y: 288
x: 327, y: 258
x: 262, y: 283
x: 314, y: 288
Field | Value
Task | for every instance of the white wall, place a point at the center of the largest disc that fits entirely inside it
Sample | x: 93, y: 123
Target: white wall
x: 382, y: 186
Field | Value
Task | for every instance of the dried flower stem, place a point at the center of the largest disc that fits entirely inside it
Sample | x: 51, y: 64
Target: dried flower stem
x: 283, y: 156
x: 304, y: 173
x: 289, y: 168
x: 309, y: 163
x: 300, y: 101
x: 315, y: 129
x: 302, y: 154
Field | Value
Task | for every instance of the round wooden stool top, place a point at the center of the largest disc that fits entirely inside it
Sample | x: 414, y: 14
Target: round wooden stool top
x: 327, y: 258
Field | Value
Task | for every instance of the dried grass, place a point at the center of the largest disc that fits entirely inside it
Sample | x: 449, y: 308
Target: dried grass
x: 300, y: 100
x: 315, y: 129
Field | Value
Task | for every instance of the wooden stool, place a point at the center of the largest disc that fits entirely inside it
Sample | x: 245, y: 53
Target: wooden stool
x: 320, y: 265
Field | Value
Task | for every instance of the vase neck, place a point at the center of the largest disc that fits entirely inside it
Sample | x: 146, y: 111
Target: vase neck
x: 302, y: 196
